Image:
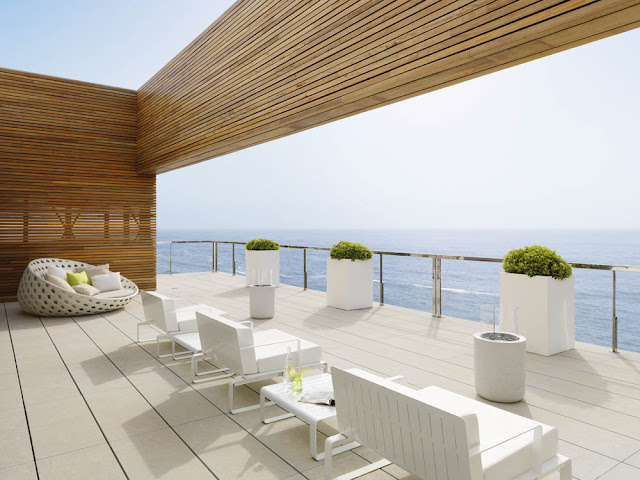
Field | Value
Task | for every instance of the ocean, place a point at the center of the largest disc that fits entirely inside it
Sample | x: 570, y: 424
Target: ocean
x: 467, y: 287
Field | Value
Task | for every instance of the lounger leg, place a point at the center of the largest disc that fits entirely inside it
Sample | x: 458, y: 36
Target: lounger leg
x: 565, y: 470
x: 329, y: 452
x: 179, y: 356
x: 158, y: 346
x: 195, y: 373
x: 313, y: 443
x: 141, y: 324
x: 232, y: 384
x: 313, y: 446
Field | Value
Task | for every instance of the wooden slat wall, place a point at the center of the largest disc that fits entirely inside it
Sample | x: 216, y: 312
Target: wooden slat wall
x: 68, y: 181
x: 270, y: 68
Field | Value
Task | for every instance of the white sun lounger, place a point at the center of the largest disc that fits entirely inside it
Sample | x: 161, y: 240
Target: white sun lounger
x: 437, y: 434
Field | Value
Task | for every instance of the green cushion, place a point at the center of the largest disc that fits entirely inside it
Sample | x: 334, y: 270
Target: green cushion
x: 77, y: 278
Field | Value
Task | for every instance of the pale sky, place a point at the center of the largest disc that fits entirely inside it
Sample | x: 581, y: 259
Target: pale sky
x: 549, y: 144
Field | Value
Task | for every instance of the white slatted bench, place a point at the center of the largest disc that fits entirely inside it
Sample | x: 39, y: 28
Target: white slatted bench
x: 439, y: 435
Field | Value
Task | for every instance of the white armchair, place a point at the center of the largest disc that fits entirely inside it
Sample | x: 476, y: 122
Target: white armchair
x: 252, y: 356
x: 160, y: 312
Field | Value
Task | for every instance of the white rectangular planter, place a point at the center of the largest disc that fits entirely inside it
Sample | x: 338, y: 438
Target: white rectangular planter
x: 349, y: 284
x: 546, y: 311
x: 262, y: 266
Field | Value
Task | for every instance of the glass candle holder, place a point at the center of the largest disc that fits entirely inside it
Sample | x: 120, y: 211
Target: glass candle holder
x: 297, y: 382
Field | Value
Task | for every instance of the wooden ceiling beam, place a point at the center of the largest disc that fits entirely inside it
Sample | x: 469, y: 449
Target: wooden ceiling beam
x: 267, y: 69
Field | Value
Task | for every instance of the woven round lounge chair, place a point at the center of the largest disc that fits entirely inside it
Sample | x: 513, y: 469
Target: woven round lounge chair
x: 40, y: 297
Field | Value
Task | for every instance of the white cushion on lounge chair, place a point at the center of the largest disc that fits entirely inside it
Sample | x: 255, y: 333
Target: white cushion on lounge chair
x: 508, y: 460
x: 186, y: 316
x: 190, y: 341
x: 123, y: 292
x: 58, y: 282
x: 245, y: 351
x: 272, y: 357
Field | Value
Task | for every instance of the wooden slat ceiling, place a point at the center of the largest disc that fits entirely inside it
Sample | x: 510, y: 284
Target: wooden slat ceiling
x: 68, y: 181
x: 266, y: 69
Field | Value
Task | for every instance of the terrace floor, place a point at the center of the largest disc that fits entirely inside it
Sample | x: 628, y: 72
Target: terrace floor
x: 79, y: 398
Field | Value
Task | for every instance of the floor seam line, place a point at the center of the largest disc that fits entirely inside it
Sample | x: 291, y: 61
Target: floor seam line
x: 145, y: 398
x: 84, y: 400
x: 24, y: 406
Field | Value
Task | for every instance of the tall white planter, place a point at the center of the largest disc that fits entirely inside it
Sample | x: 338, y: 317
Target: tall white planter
x: 546, y: 311
x: 262, y: 266
x: 349, y: 284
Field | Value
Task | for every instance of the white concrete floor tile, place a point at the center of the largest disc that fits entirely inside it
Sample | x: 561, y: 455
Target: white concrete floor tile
x: 232, y: 452
x: 622, y: 472
x: 160, y: 454
x: 15, y: 443
x: 26, y: 471
x: 95, y: 463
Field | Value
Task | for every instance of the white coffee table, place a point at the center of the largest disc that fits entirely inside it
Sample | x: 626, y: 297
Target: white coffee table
x: 309, y: 413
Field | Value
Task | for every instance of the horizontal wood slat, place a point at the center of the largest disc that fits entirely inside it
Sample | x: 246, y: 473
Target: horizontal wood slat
x: 268, y: 69
x: 69, y: 186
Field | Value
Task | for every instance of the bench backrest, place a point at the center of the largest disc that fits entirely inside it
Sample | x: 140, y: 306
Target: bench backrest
x: 389, y: 419
x: 161, y: 310
x: 226, y: 340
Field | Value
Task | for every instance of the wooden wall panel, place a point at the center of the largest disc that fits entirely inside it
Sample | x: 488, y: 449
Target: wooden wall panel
x: 270, y: 68
x: 68, y: 181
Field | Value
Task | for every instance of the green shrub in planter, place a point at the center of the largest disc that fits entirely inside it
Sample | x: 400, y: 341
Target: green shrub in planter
x: 350, y: 251
x: 536, y: 261
x: 262, y: 244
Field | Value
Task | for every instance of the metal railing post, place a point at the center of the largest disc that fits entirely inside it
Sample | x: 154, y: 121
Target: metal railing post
x: 304, y: 267
x: 215, y: 258
x: 170, y: 260
x: 233, y: 257
x: 436, y: 274
x: 439, y: 272
x: 381, y: 284
x: 614, y: 319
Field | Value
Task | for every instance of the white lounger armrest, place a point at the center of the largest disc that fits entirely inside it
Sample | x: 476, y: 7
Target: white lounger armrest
x: 536, y: 454
x: 248, y: 323
x: 397, y: 378
x: 297, y: 340
x: 200, y: 307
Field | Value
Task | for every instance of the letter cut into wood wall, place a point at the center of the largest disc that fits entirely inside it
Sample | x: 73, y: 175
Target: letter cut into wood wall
x: 68, y: 181
x: 270, y: 68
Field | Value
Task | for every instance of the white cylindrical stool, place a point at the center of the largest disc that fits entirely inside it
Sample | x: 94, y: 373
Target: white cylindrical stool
x: 262, y: 300
x: 500, y: 366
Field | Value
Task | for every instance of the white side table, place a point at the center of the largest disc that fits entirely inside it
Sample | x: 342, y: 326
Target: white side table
x: 309, y: 413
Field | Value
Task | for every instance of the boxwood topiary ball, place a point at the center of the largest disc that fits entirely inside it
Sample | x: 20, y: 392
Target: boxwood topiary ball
x: 537, y: 261
x: 350, y: 251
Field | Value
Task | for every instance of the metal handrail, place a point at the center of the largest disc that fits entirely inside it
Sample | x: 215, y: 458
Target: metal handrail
x: 436, y: 271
